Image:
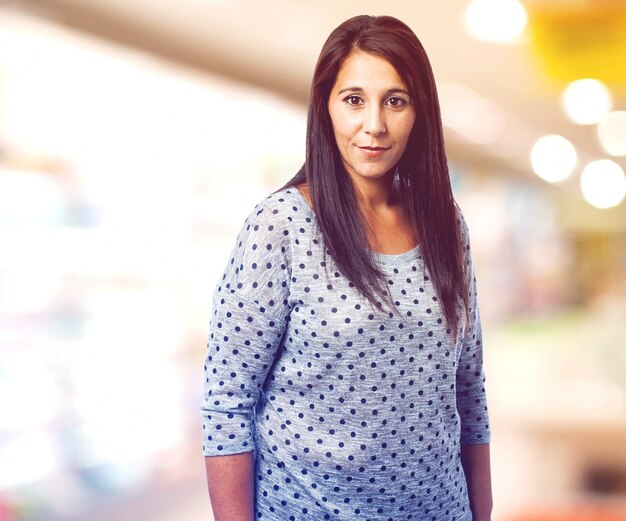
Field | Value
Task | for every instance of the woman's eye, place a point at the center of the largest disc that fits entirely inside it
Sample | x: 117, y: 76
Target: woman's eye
x: 396, y: 102
x: 353, y: 100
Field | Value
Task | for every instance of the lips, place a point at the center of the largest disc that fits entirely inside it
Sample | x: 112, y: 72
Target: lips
x: 375, y: 148
x: 374, y: 152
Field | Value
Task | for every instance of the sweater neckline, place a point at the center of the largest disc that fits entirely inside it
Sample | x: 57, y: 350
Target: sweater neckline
x: 390, y: 259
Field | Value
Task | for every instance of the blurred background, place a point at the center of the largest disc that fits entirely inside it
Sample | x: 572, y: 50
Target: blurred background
x: 136, y: 135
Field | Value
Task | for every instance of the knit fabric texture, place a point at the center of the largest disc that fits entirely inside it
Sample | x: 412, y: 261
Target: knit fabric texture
x: 352, y: 412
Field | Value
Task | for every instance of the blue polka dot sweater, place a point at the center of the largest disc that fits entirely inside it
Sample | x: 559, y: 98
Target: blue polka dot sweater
x: 352, y: 412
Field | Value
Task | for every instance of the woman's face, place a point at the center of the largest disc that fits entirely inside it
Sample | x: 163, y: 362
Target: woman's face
x: 372, y: 115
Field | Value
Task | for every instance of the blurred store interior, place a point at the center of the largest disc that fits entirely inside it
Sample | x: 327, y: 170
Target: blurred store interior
x: 136, y: 135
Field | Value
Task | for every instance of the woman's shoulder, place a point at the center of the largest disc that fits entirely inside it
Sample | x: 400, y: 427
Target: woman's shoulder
x: 277, y: 216
x: 286, y: 205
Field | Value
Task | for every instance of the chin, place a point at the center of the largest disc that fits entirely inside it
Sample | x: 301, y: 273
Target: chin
x: 369, y: 170
x: 374, y: 174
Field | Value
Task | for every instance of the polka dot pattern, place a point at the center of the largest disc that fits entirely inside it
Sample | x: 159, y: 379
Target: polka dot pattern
x: 353, y: 413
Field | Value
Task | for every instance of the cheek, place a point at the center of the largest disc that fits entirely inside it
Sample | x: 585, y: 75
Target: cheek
x: 345, y: 124
x: 405, y: 129
x: 335, y: 119
x: 343, y: 135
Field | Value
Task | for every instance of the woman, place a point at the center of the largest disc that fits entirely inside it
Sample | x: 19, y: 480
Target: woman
x: 344, y: 375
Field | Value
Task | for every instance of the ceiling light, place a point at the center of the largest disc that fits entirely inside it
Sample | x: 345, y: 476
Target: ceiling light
x: 553, y: 158
x: 612, y: 133
x: 587, y: 101
x: 495, y: 20
x: 603, y: 183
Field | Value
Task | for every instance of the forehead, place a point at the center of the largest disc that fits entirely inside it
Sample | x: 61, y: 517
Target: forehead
x: 365, y: 70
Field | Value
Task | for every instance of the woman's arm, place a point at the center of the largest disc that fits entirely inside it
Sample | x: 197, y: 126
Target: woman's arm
x: 231, y: 486
x: 476, y: 465
x: 472, y: 401
x: 248, y: 321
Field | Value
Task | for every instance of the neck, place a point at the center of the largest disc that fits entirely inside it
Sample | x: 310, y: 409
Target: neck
x: 374, y: 195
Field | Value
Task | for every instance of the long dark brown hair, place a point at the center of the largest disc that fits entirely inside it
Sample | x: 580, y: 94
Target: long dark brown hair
x: 423, y: 184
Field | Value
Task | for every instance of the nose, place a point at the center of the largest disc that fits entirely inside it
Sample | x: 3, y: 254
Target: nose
x: 374, y: 124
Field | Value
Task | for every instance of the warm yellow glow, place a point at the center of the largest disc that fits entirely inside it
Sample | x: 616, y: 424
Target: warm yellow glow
x: 553, y: 158
x: 495, y: 20
x: 586, y: 101
x: 612, y: 133
x: 603, y: 183
x: 578, y: 39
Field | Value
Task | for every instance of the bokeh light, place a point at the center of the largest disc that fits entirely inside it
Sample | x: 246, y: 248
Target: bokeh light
x: 586, y: 101
x: 612, y: 133
x: 603, y: 183
x: 495, y: 20
x: 553, y: 158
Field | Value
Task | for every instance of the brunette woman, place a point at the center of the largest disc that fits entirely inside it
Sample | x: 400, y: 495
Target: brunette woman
x: 344, y: 374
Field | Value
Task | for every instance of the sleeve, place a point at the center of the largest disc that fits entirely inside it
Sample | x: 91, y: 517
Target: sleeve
x: 470, y: 378
x: 248, y: 319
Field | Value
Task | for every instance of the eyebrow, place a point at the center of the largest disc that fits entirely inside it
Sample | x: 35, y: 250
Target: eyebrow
x: 359, y: 89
